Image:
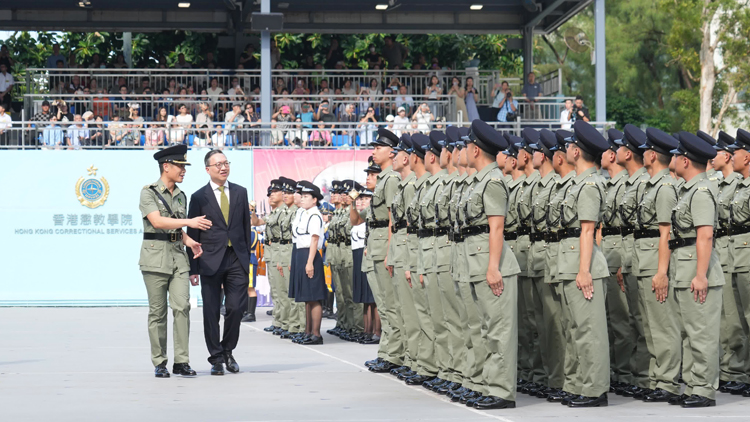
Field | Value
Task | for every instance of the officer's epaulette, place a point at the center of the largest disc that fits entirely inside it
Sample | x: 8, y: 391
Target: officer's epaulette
x: 148, y: 186
x: 702, y: 188
x: 591, y: 183
x: 644, y: 180
x: 666, y: 183
x: 496, y: 178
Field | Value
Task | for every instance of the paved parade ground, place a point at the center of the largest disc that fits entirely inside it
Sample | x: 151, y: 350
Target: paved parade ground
x: 79, y: 364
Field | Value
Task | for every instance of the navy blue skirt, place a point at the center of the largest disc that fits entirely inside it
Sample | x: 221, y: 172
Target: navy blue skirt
x: 308, y: 289
x: 292, y: 268
x: 361, y: 288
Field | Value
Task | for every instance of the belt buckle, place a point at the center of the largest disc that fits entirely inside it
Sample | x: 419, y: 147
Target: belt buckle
x: 172, y: 237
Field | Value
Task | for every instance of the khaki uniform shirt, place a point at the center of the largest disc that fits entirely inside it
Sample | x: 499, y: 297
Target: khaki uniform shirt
x: 523, y: 205
x: 540, y: 197
x: 612, y: 244
x: 486, y: 195
x: 273, y: 235
x: 740, y: 212
x: 398, y: 256
x: 696, y: 207
x: 458, y: 265
x: 554, y: 209
x: 159, y: 256
x: 723, y: 245
x: 285, y: 251
x: 382, y: 198
x: 442, y: 242
x: 584, y: 201
x: 627, y: 207
x: 421, y: 186
x: 655, y: 208
x: 427, y: 255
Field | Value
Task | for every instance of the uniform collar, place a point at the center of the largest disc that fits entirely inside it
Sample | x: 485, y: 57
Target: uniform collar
x: 586, y: 173
x: 162, y: 188
x: 451, y: 176
x: 420, y: 181
x: 436, y: 176
x: 698, y: 178
x: 488, y: 168
x: 618, y: 177
x: 532, y: 178
x: 461, y: 177
x: 745, y: 181
x: 386, y: 171
x: 546, y: 179
x: 516, y: 182
x: 730, y: 179
x: 409, y: 178
x: 637, y: 175
x: 563, y: 180
x: 658, y: 176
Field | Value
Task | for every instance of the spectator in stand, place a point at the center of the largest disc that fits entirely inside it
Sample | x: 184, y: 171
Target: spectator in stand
x: 72, y: 61
x: 64, y: 116
x: 423, y: 116
x: 120, y: 62
x: 52, y: 135
x: 498, y: 93
x: 277, y: 136
x: 300, y: 89
x: 373, y: 58
x: 364, y: 98
x: 324, y: 113
x: 298, y: 135
x: 323, y: 86
x: 75, y: 84
x: 6, y: 85
x: 247, y: 59
x: 433, y: 91
x: 224, y: 107
x: 580, y: 111
x: 532, y: 90
x: 367, y: 127
x: 120, y: 104
x: 403, y: 100
x: 284, y: 100
x: 251, y: 136
x: 96, y: 130
x: 203, y: 125
x: 284, y: 118
x: 162, y: 115
x: 460, y: 94
x: 349, y: 89
x: 5, y: 124
x: 115, y: 88
x: 93, y: 86
x: 508, y: 108
x: 234, y: 124
x: 566, y: 116
x: 394, y: 52
x: 400, y: 122
x: 320, y: 137
x: 209, y: 60
x: 172, y: 86
x: 116, y: 131
x: 147, y: 104
x: 181, y: 124
x: 5, y: 57
x: 307, y: 114
x: 388, y: 105
x: 96, y: 62
x: 181, y: 63
x: 44, y: 115
x: 156, y: 134
x: 389, y: 122
x: 334, y: 55
x: 471, y: 99
x: 214, y: 90
x: 349, y: 117
x: 144, y: 85
x: 132, y: 135
x: 135, y: 118
x: 55, y: 57
x: 100, y: 104
x: 77, y: 134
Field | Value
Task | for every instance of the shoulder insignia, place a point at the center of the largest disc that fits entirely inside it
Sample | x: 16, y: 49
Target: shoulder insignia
x: 591, y: 183
x: 702, y: 188
x: 148, y: 186
x: 666, y: 184
x: 644, y: 180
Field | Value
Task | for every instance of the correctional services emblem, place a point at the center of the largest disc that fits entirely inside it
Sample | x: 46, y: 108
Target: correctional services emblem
x: 92, y: 192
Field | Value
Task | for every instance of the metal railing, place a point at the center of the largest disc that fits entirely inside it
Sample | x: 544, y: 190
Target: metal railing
x: 416, y: 81
x: 74, y: 135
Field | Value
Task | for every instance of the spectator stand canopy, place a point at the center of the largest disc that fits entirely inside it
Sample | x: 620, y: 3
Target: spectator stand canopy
x: 525, y: 17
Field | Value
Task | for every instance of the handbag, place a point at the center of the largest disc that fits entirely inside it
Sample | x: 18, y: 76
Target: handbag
x: 510, y: 116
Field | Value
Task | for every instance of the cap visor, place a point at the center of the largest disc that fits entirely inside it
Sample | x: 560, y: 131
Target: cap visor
x: 676, y: 151
x: 620, y: 142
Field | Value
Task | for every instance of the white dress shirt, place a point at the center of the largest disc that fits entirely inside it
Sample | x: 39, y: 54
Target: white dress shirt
x: 307, y: 224
x: 217, y: 192
x: 358, y: 236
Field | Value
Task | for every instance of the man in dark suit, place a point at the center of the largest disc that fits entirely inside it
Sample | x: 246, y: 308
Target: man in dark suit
x: 225, y: 261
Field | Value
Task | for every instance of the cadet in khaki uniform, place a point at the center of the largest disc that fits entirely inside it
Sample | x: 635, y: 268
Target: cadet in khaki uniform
x: 739, y: 225
x: 163, y: 261
x: 428, y: 261
x: 492, y: 268
x: 630, y: 156
x: 392, y: 340
x: 554, y: 300
x: 427, y: 368
x: 733, y: 336
x: 284, y: 258
x: 551, y: 337
x: 713, y: 174
x: 333, y: 257
x: 399, y: 253
x: 621, y: 336
x: 350, y: 312
x: 582, y: 268
x: 696, y: 270
x: 650, y: 264
x: 279, y: 289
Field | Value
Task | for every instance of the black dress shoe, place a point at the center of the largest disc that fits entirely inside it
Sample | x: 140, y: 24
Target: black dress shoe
x: 697, y: 401
x: 284, y: 334
x: 417, y: 380
x: 270, y: 329
x: 746, y: 393
x: 370, y: 363
x: 621, y: 387
x: 582, y: 401
x: 658, y: 396
x: 475, y: 400
x: 160, y: 371
x: 399, y: 370
x: 470, y: 395
x: 643, y: 393
x: 677, y: 399
x: 737, y: 389
x: 447, y: 388
x: 312, y: 340
x: 279, y: 331
x: 248, y: 317
x: 269, y: 312
x: 570, y: 397
x: 217, y: 369
x: 543, y: 393
x: 408, y: 374
x: 384, y: 366
x: 183, y: 369
x: 520, y: 382
x: 231, y: 363
x: 373, y: 339
x: 301, y: 338
x: 433, y: 381
x: 336, y: 331
x: 558, y: 396
x: 492, y: 402
x: 531, y: 388
x: 436, y: 385
x: 630, y: 391
x: 455, y: 395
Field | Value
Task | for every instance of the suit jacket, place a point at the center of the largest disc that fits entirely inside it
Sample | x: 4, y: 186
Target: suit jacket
x: 215, y: 239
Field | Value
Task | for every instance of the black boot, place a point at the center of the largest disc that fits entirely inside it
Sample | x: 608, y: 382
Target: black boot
x: 249, y: 316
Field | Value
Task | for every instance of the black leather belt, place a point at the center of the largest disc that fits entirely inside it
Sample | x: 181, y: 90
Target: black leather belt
x: 681, y: 242
x: 377, y: 224
x: 275, y: 240
x: 611, y: 231
x: 568, y: 233
x: 551, y: 237
x: 627, y: 230
x: 475, y: 230
x: 537, y: 237
x: 510, y: 236
x: 167, y: 237
x: 411, y: 230
x: 642, y: 234
x: 455, y: 236
x: 721, y: 233
x: 285, y: 242
x: 347, y: 242
x: 523, y: 231
x: 422, y: 233
x: 739, y: 230
x: 397, y: 227
x: 442, y: 231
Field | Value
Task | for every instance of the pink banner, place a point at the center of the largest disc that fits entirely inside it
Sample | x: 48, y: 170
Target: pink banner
x: 319, y: 167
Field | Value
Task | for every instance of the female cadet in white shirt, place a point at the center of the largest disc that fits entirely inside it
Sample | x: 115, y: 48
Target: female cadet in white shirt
x: 361, y: 289
x: 309, y: 279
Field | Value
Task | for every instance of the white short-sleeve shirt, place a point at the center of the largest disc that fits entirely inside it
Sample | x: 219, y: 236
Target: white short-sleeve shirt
x: 308, y: 223
x: 358, y: 236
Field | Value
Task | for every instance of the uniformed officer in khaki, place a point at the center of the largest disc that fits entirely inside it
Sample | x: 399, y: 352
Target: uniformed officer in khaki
x: 651, y: 262
x: 492, y: 267
x: 582, y: 268
x: 284, y: 257
x: 333, y: 257
x: 739, y: 225
x: 630, y: 156
x: 163, y: 261
x: 549, y: 327
x: 696, y: 270
x: 733, y: 336
x: 399, y: 253
x: 621, y: 336
x: 279, y: 292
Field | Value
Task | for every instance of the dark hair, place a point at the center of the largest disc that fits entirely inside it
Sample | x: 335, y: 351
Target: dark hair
x: 588, y: 157
x: 210, y: 154
x: 664, y: 159
x: 161, y: 168
x: 504, y: 82
x: 578, y: 97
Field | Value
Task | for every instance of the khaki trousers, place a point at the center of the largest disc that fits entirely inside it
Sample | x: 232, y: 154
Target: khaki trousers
x: 176, y: 288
